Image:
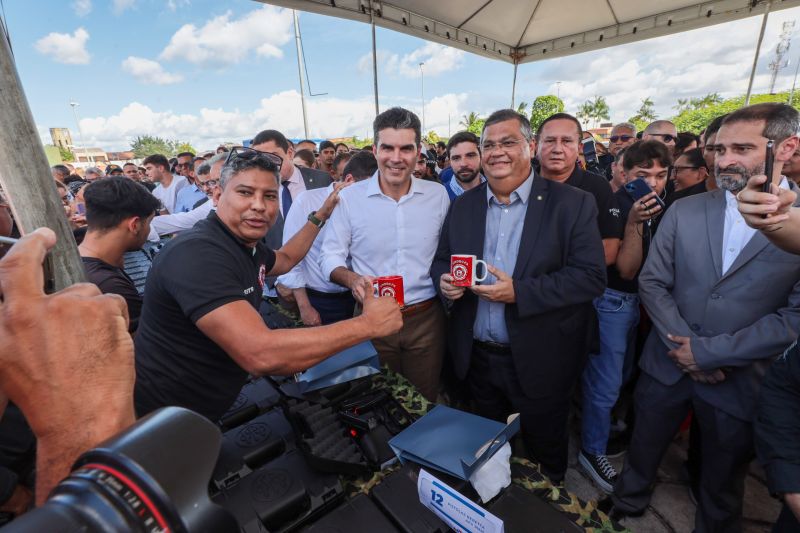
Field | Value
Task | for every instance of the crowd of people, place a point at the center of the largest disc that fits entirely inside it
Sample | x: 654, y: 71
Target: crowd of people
x: 652, y: 278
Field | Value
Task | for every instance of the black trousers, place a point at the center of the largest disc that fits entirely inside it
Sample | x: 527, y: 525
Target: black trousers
x: 498, y: 393
x: 726, y: 451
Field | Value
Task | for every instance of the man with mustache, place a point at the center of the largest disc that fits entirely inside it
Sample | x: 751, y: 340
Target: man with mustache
x: 465, y: 160
x: 725, y: 302
x: 200, y: 333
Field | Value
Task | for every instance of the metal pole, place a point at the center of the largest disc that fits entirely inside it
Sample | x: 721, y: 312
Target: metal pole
x: 299, y: 46
x: 374, y: 59
x: 422, y: 92
x: 514, y: 86
x: 80, y: 133
x: 558, y: 90
x: 794, y: 82
x: 25, y: 173
x: 767, y: 5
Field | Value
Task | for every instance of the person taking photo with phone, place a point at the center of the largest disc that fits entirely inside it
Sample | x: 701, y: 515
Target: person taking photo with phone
x: 725, y: 303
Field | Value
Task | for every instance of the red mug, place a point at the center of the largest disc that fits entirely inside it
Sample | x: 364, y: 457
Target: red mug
x: 390, y: 286
x: 463, y: 270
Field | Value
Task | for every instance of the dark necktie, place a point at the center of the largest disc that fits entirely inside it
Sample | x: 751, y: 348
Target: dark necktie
x: 286, y: 198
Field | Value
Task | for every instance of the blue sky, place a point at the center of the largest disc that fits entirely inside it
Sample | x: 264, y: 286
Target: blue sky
x: 207, y: 71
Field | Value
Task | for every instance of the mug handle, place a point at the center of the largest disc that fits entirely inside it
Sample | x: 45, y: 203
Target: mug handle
x: 485, y: 270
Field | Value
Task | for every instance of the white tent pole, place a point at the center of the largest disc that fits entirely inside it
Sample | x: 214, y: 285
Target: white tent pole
x: 514, y: 85
x: 299, y: 45
x: 767, y: 5
x: 374, y: 59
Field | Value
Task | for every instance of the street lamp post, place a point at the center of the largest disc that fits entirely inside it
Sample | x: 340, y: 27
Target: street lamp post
x: 558, y: 90
x: 80, y: 134
x: 422, y: 92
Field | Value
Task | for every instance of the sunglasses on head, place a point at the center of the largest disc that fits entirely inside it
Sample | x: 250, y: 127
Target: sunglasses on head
x: 252, y: 153
x: 623, y: 138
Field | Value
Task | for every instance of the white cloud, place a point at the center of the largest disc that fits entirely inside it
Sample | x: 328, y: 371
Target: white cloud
x: 65, y: 48
x: 149, y: 71
x: 438, y: 59
x: 120, y: 6
x: 225, y: 40
x: 82, y: 7
x: 328, y: 117
x: 686, y: 65
x: 173, y: 5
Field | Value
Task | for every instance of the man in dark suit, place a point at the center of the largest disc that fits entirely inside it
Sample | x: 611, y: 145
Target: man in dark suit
x: 725, y: 302
x: 294, y: 180
x: 521, y: 337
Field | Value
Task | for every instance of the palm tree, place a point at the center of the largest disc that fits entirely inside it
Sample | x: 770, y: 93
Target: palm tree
x: 600, y: 110
x: 585, y: 112
x: 469, y: 120
x: 522, y: 108
x: 682, y: 105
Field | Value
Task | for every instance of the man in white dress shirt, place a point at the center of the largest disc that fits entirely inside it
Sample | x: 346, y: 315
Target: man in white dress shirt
x: 320, y: 301
x: 389, y: 225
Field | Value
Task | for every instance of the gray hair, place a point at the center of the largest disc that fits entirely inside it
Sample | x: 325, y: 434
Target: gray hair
x: 203, y: 169
x: 246, y: 161
x: 508, y: 114
x: 93, y: 170
x: 781, y: 121
x: 626, y: 125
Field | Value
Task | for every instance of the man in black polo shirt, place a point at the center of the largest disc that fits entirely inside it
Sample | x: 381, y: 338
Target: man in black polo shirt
x: 558, y: 141
x: 200, y: 333
x: 118, y: 216
x: 618, y: 308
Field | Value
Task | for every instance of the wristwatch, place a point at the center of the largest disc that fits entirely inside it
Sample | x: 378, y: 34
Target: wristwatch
x: 314, y: 220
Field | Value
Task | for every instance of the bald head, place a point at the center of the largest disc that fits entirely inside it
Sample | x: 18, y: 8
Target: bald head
x: 663, y: 131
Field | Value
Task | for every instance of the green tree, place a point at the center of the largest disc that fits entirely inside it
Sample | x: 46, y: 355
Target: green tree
x: 183, y: 146
x: 683, y: 104
x: 522, y: 108
x: 544, y: 106
x: 585, y: 112
x: 145, y: 145
x: 600, y: 110
x: 432, y: 137
x: 645, y: 115
x: 696, y: 120
x: 66, y: 154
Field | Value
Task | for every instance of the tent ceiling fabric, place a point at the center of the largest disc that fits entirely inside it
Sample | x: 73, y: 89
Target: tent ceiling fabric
x: 531, y: 30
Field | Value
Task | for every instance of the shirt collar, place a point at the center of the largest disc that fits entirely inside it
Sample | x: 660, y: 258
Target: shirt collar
x: 374, y: 187
x: 522, y: 192
x: 296, y: 176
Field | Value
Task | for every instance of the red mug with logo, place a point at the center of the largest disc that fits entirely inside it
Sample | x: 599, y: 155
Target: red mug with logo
x: 463, y: 269
x: 390, y: 286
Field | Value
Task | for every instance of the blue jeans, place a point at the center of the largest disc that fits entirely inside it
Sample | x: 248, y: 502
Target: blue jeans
x: 618, y: 315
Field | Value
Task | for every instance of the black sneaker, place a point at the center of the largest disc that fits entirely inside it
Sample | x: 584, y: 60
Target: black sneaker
x: 600, y: 470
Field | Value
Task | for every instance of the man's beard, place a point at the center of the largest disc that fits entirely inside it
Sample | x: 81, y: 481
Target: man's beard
x: 734, y: 179
x: 468, y: 177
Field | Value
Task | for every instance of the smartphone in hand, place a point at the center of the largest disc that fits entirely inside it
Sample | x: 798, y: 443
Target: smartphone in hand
x: 769, y: 164
x: 638, y: 189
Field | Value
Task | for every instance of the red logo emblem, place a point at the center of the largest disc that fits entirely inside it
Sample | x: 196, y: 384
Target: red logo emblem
x: 262, y: 274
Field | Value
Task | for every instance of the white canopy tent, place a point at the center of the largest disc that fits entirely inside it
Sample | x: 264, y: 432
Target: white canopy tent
x: 522, y: 31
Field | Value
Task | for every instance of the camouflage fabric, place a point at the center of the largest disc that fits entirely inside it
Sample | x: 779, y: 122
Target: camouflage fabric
x: 523, y: 472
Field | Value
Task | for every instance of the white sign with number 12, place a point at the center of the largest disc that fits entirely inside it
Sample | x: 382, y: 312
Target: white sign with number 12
x: 461, y: 514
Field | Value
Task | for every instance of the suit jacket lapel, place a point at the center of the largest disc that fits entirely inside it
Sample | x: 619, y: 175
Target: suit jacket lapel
x: 753, y: 247
x: 715, y: 224
x: 534, y: 215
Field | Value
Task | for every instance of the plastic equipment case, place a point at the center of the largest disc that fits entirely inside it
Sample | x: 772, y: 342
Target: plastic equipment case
x: 280, y: 496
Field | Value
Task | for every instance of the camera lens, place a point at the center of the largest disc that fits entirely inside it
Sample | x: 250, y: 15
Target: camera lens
x: 151, y: 478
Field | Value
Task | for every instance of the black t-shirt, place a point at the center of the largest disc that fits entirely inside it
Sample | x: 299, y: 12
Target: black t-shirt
x: 114, y: 280
x: 615, y: 281
x: 608, y: 218
x: 176, y: 364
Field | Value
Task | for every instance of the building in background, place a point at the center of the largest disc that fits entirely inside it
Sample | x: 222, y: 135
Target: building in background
x: 62, y: 138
